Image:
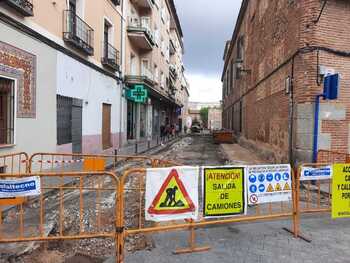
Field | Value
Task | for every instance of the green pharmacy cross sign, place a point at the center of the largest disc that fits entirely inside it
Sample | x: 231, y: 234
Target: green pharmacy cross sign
x: 138, y: 94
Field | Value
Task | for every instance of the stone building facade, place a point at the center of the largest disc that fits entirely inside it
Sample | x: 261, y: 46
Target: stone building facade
x: 64, y: 68
x: 275, y: 64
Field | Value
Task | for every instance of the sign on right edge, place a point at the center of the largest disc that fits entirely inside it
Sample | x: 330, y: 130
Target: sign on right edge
x: 341, y: 191
x: 269, y: 183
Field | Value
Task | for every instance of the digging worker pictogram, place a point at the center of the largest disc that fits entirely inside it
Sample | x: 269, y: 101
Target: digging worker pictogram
x: 170, y: 200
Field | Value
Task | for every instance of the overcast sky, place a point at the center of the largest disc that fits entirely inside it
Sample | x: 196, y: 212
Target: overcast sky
x: 206, y: 25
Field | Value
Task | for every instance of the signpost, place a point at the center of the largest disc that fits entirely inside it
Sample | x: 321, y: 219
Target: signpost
x: 224, y: 191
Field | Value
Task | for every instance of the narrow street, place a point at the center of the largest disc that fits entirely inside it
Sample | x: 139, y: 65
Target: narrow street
x: 165, y: 131
x: 194, y: 150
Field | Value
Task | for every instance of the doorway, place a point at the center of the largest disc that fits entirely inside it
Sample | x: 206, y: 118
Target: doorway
x: 131, y: 121
x: 7, y: 113
x: 106, y: 126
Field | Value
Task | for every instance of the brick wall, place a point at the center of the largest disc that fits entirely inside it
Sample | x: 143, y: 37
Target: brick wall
x: 257, y: 106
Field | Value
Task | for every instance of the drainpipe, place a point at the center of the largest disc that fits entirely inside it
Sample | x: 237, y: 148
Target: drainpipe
x: 317, y: 111
x: 291, y: 116
x: 122, y: 71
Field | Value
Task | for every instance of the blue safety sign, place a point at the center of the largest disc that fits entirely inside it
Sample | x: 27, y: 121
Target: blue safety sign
x: 278, y: 177
x: 253, y: 188
x: 252, y: 178
x: 261, y: 178
x: 286, y: 176
x: 269, y: 177
x: 261, y: 188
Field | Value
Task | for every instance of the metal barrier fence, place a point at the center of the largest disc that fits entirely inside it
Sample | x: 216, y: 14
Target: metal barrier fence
x: 132, y: 195
x: 14, y: 163
x: 66, y: 211
x: 311, y: 196
x: 67, y: 195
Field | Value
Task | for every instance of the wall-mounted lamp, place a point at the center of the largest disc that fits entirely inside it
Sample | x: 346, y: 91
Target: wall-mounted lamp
x: 243, y: 71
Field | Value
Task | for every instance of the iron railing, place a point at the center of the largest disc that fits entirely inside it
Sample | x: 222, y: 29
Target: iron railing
x: 143, y: 3
x: 78, y: 33
x: 110, y: 56
x: 172, y: 47
x: 172, y: 71
x: 25, y: 7
x: 137, y: 26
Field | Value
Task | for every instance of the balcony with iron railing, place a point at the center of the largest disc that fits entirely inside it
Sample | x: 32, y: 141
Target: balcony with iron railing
x: 143, y: 4
x: 110, y: 57
x: 172, y: 72
x: 140, y: 35
x: 25, y: 7
x: 172, y: 48
x: 78, y: 33
x: 146, y: 77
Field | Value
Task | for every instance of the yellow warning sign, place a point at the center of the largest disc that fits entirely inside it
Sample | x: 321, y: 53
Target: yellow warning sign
x: 269, y: 188
x: 286, y: 187
x: 341, y: 191
x: 278, y: 187
x: 172, y: 197
x: 224, y: 191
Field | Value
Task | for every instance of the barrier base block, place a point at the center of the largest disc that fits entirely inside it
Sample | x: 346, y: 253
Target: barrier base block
x: 191, y: 250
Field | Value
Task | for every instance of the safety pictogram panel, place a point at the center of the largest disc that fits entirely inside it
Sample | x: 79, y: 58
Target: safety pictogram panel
x: 269, y: 183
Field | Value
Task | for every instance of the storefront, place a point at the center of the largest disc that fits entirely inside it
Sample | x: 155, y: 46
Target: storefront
x: 147, y: 112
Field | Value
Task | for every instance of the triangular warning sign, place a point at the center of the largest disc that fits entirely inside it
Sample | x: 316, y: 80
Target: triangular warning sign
x: 278, y: 187
x: 269, y: 188
x: 286, y: 187
x: 172, y: 197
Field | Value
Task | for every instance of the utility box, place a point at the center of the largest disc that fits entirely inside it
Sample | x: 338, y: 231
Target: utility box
x: 331, y: 87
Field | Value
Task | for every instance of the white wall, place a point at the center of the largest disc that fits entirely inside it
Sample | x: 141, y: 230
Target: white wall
x: 79, y: 81
x: 38, y: 134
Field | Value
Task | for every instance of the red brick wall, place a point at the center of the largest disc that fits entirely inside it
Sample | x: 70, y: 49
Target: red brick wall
x: 269, y: 28
x: 274, y: 30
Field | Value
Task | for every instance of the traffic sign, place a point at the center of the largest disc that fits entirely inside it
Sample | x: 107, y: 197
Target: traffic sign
x: 171, y: 194
x: 172, y: 197
x: 224, y: 191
